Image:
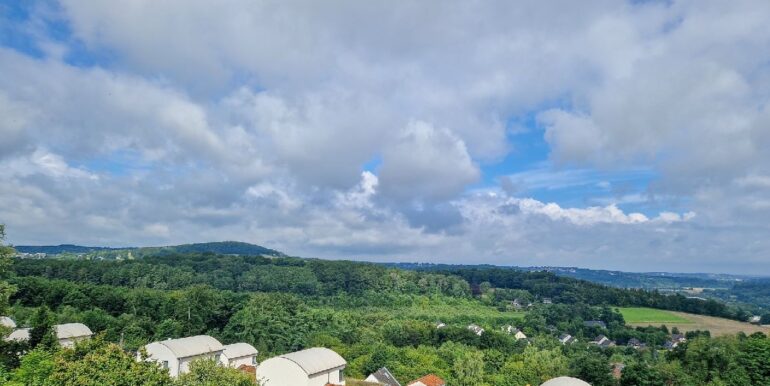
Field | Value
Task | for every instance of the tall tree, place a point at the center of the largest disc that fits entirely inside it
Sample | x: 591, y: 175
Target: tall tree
x: 96, y: 363
x: 42, y: 332
x: 210, y: 373
x: 593, y: 368
x: 6, y: 289
x: 468, y: 368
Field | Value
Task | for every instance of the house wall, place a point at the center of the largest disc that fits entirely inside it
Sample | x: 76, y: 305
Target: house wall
x: 236, y: 362
x: 70, y: 342
x: 281, y: 372
x: 158, y: 353
x: 331, y: 376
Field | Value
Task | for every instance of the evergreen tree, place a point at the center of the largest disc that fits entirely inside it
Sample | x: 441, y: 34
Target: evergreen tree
x: 42, y: 332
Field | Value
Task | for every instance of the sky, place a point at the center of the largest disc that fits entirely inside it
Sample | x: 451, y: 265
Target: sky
x: 627, y: 135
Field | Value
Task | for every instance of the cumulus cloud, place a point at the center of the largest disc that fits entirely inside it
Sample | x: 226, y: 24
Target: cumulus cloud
x: 426, y: 162
x: 373, y: 129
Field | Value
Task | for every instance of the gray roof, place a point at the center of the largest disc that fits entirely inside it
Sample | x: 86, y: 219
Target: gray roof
x: 315, y: 360
x: 384, y: 377
x: 239, y: 350
x: 21, y: 334
x: 7, y: 322
x: 72, y: 330
x: 192, y: 346
x: 565, y: 381
x: 63, y: 331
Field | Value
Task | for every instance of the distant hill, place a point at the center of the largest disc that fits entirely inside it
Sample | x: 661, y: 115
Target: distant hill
x: 58, y: 249
x: 646, y: 280
x: 223, y: 248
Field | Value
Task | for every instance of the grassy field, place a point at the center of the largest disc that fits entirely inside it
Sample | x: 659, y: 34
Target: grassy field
x: 688, y: 322
x: 635, y: 315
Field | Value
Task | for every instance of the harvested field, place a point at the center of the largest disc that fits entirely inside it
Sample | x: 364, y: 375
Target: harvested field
x: 717, y: 326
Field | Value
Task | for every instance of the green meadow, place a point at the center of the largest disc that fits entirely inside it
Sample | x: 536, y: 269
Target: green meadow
x: 650, y: 315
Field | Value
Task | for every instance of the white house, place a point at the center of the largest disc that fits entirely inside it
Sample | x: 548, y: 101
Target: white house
x: 7, y: 322
x: 476, y: 329
x: 66, y: 334
x: 312, y: 367
x: 176, y: 354
x: 510, y: 330
x: 237, y: 354
x: 567, y: 339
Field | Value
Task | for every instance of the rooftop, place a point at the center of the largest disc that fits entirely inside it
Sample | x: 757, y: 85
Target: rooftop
x: 383, y: 376
x: 428, y: 380
x: 315, y: 360
x: 565, y: 381
x: 192, y: 346
x: 239, y: 350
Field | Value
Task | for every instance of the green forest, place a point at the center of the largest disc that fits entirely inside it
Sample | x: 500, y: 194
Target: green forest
x: 373, y: 315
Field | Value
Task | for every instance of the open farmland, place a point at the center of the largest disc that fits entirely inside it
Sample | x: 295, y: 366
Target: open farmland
x: 634, y: 315
x: 691, y: 322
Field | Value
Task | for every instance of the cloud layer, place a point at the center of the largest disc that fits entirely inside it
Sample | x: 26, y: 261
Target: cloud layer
x: 388, y: 131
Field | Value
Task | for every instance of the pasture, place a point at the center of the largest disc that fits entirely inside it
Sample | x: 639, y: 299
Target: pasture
x: 637, y: 315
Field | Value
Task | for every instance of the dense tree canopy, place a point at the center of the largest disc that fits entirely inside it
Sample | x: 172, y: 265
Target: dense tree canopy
x: 371, y: 314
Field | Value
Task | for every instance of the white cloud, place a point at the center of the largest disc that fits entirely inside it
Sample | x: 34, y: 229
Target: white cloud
x: 254, y: 120
x: 46, y: 163
x: 426, y: 162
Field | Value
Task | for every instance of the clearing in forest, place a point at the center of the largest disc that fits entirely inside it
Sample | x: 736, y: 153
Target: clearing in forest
x: 637, y: 315
x: 717, y: 326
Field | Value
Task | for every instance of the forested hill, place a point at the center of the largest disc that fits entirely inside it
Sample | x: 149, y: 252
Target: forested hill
x: 223, y: 248
x: 320, y: 277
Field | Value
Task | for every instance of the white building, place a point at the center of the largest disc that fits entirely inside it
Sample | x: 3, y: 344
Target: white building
x: 7, y: 322
x: 238, y: 354
x: 176, y: 354
x: 567, y: 339
x: 66, y: 334
x: 312, y: 367
x: 565, y: 381
x: 476, y: 329
x: 510, y: 330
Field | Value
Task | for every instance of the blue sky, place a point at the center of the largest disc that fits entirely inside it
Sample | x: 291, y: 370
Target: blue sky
x: 632, y: 130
